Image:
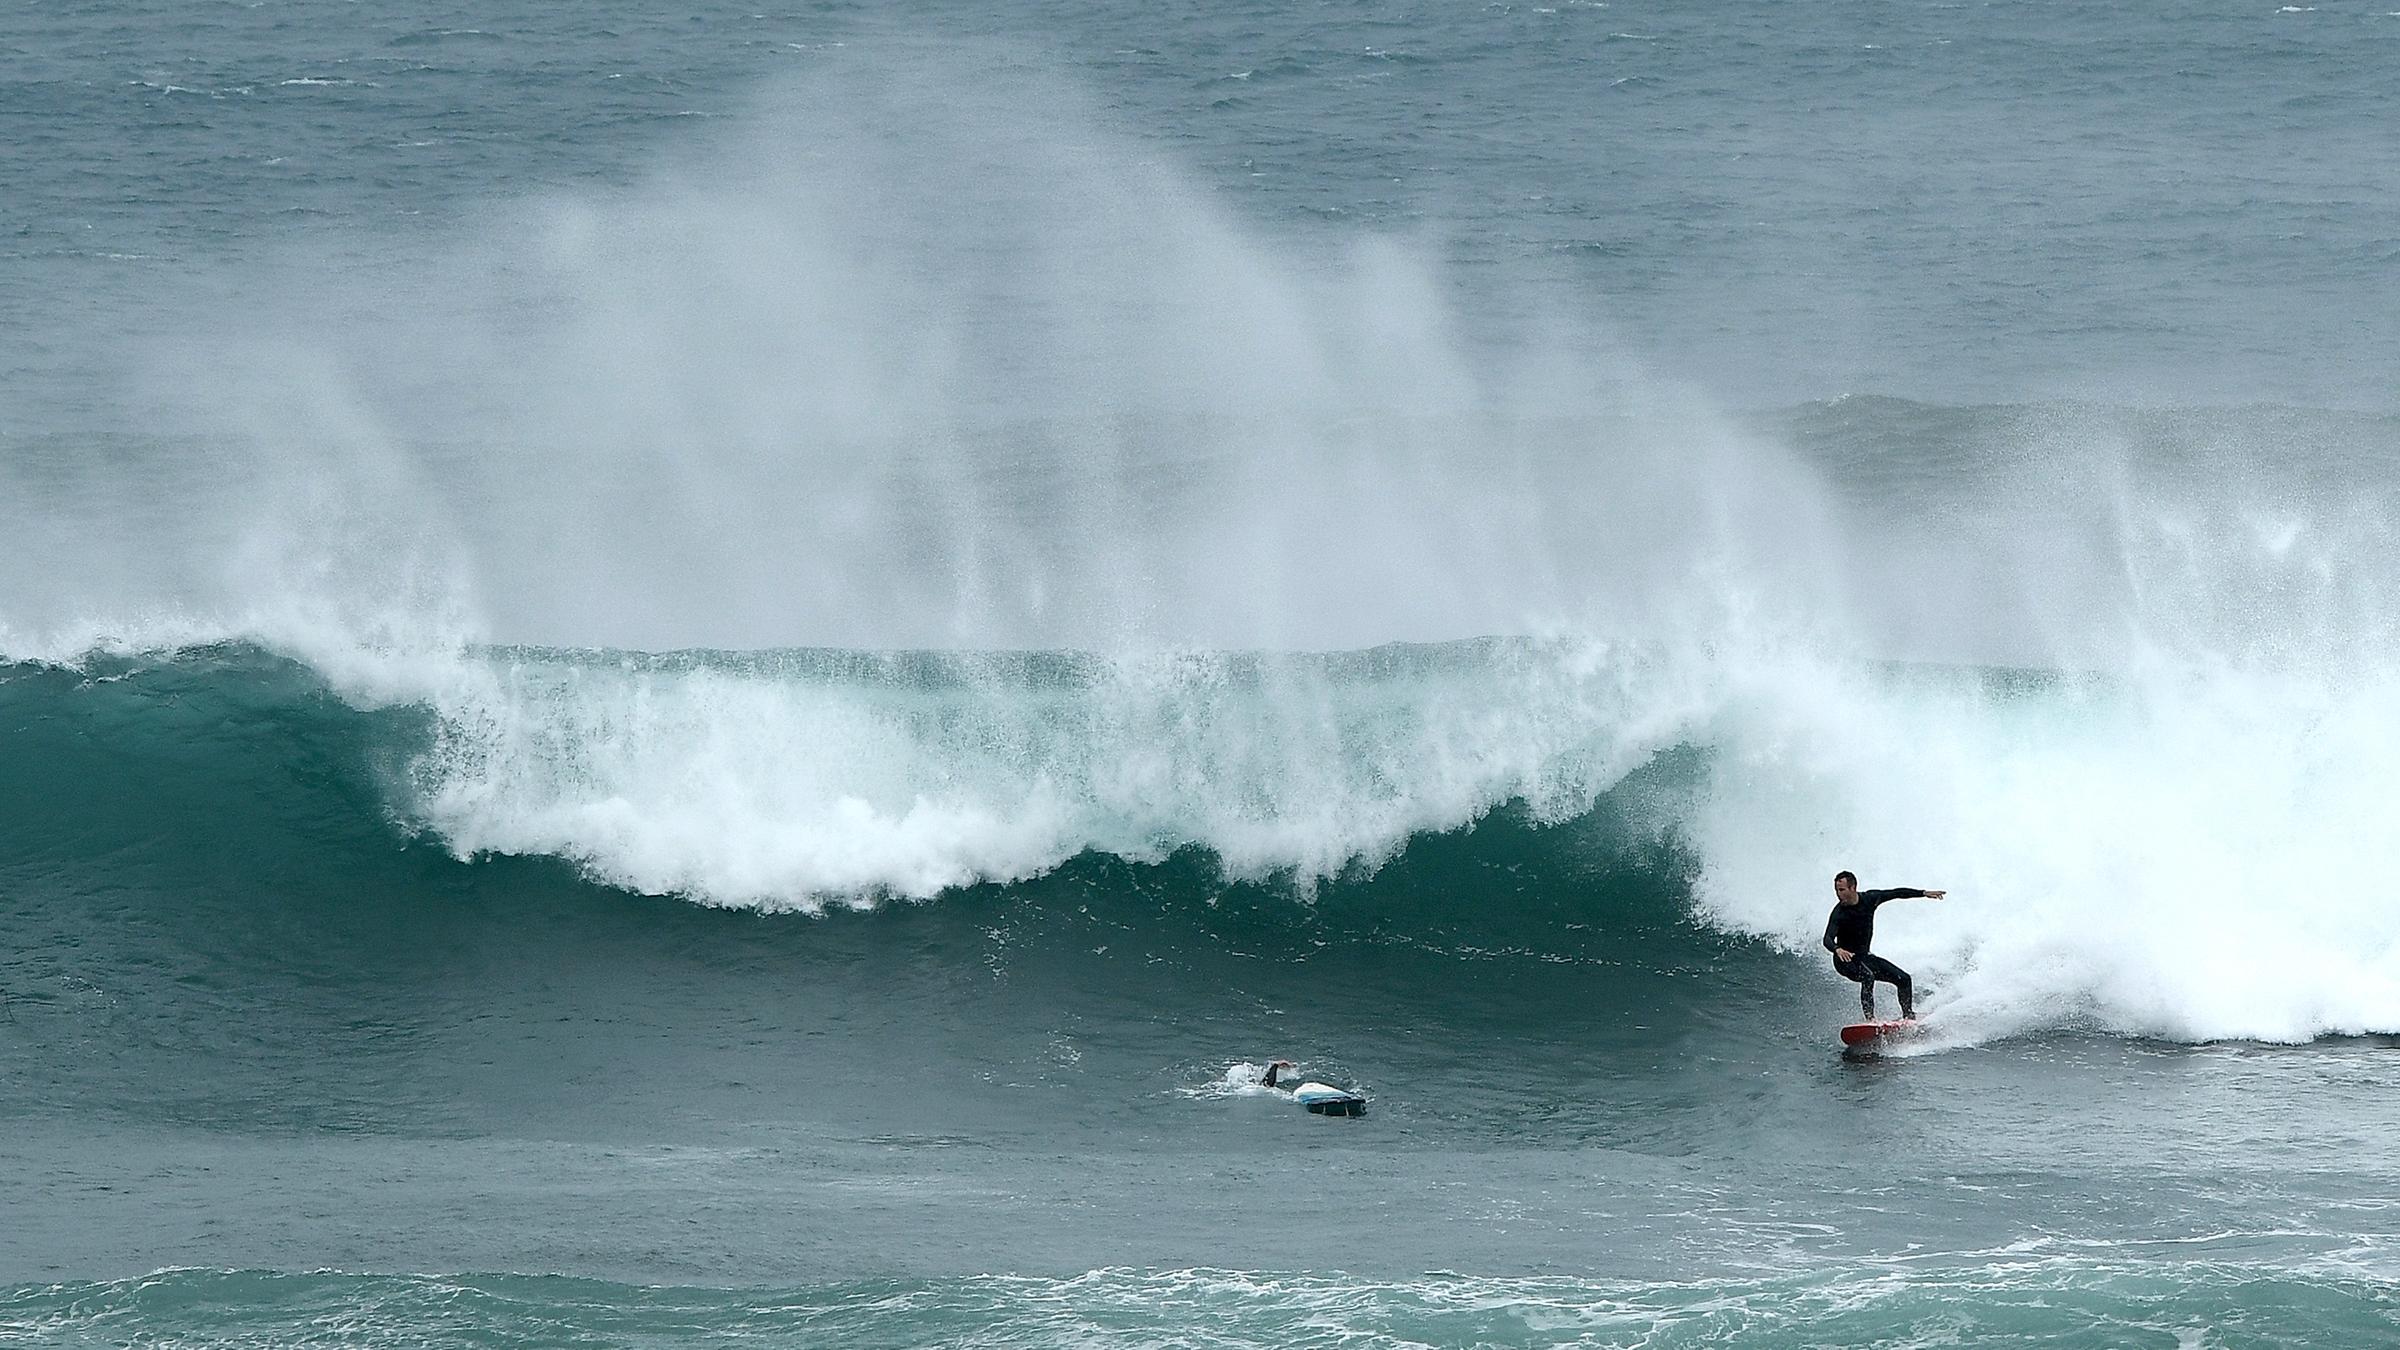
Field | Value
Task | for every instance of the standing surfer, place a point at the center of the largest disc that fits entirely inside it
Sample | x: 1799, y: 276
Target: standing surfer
x: 1851, y: 930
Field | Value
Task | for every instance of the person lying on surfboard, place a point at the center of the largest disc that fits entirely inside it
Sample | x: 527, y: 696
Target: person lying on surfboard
x: 1321, y: 1099
x: 1851, y: 930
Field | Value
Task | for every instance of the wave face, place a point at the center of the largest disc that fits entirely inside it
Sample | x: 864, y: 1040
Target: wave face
x: 2124, y: 851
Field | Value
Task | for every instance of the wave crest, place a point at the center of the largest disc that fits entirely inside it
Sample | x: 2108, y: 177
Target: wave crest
x: 798, y: 778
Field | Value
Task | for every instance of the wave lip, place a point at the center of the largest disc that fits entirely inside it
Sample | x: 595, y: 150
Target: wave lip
x: 794, y: 779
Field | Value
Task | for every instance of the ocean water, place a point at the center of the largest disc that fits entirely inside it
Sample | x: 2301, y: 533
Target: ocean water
x: 719, y: 677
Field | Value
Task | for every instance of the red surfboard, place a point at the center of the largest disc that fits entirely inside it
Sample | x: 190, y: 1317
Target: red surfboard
x: 1878, y: 1033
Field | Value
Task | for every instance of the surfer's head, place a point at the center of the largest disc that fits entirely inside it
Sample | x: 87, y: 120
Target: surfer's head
x: 1845, y: 887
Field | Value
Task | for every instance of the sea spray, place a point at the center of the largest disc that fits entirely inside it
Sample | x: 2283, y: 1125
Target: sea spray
x: 979, y: 387
x: 791, y: 779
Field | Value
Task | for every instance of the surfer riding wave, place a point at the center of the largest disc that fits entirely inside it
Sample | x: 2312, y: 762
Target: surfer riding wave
x: 1850, y: 931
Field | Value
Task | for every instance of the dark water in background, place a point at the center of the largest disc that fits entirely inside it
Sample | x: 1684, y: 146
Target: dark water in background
x: 503, y: 511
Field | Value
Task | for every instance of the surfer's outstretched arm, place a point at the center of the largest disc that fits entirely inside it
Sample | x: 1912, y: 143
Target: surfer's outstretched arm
x: 1895, y: 893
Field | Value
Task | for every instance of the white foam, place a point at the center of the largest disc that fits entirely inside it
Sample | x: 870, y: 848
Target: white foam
x: 773, y: 784
x: 1238, y: 1080
x: 2187, y: 853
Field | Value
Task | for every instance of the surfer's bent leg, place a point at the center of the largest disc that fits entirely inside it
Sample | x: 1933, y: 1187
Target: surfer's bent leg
x: 1898, y: 979
x: 1856, y: 968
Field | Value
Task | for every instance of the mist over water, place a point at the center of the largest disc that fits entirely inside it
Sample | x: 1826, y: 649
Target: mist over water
x: 929, y: 355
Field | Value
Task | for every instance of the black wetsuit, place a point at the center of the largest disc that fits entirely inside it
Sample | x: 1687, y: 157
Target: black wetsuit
x: 1852, y: 928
